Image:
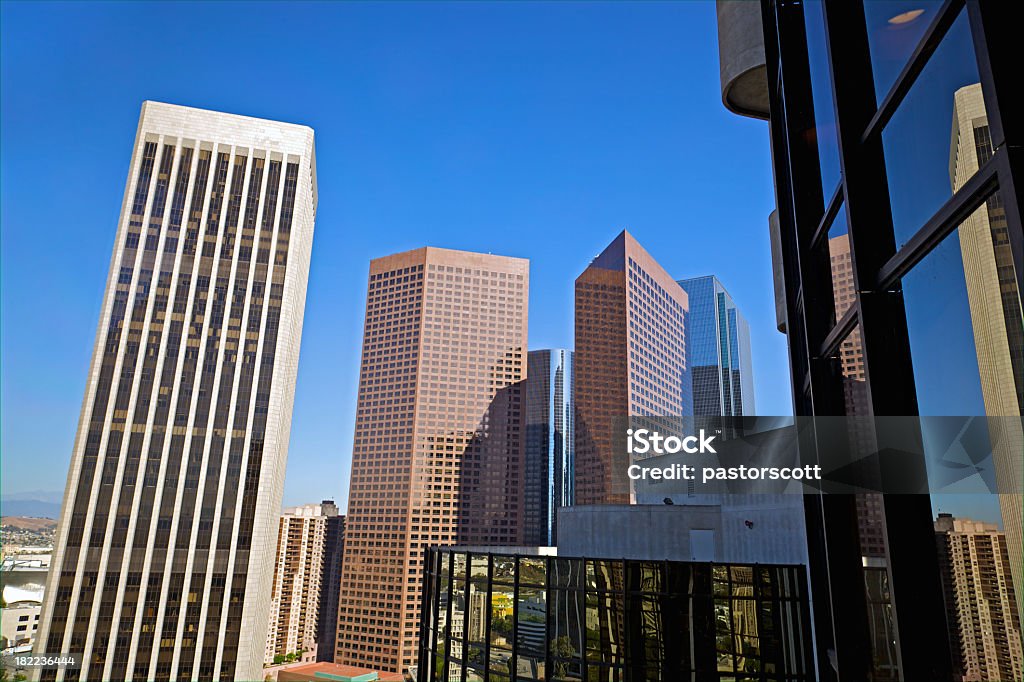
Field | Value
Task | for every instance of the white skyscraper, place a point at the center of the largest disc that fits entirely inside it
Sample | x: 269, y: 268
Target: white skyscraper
x: 160, y: 569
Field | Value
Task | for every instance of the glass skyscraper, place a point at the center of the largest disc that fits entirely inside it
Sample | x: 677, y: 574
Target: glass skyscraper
x: 548, y: 466
x: 718, y: 351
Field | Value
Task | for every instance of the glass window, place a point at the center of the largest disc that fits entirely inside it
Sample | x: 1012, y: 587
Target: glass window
x: 824, y: 132
x: 894, y: 29
x: 930, y: 147
x: 967, y: 338
x: 566, y: 625
x: 532, y: 571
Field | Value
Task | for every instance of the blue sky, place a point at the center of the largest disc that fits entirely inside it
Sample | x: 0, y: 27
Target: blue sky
x: 534, y: 130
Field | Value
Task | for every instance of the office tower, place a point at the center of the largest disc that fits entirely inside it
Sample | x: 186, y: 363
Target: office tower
x: 548, y: 469
x: 330, y: 586
x: 984, y: 624
x: 438, y: 443
x: 298, y: 582
x: 630, y: 360
x: 160, y: 566
x: 717, y: 351
x: 853, y: 94
x: 995, y: 306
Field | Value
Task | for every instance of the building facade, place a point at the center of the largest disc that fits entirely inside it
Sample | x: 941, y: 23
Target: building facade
x: 878, y: 133
x: 552, y: 617
x: 159, y: 569
x: 549, y: 459
x: 438, y: 446
x: 984, y: 624
x: 718, y: 351
x: 630, y: 360
x: 298, y: 582
x: 330, y: 587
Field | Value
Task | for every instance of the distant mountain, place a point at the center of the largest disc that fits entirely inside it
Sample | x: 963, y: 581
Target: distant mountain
x: 39, y: 503
x: 34, y: 496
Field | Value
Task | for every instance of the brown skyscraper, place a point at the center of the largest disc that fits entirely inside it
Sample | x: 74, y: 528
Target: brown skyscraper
x: 438, y: 446
x: 630, y: 359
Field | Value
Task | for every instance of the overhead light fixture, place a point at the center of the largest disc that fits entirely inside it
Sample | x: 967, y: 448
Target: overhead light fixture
x: 906, y: 17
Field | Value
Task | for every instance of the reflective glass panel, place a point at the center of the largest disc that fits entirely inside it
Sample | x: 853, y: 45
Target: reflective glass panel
x: 967, y: 343
x: 824, y: 133
x: 532, y: 571
x: 931, y: 144
x: 894, y: 29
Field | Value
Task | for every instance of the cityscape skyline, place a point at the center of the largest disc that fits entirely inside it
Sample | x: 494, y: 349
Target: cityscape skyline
x: 388, y: 181
x: 516, y: 457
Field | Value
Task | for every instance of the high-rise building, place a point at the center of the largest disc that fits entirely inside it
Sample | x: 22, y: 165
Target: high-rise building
x: 995, y: 305
x: 438, y: 444
x: 330, y: 587
x: 985, y: 628
x: 548, y: 468
x: 630, y: 360
x: 717, y: 351
x: 160, y: 565
x: 865, y: 143
x: 298, y: 582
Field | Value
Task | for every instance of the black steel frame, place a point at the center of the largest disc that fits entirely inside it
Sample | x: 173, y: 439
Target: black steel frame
x: 841, y: 618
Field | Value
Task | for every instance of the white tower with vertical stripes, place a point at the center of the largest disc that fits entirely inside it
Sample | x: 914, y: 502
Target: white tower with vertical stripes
x: 162, y: 567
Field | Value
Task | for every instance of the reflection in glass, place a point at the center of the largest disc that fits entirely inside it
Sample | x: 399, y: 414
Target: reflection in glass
x: 648, y: 617
x: 894, y: 29
x: 964, y: 316
x: 824, y: 132
x: 918, y: 158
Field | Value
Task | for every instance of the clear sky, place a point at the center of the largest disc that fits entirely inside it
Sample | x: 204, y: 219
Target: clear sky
x: 534, y: 130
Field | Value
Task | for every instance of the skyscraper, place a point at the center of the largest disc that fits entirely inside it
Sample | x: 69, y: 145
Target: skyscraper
x: 159, y: 568
x: 298, y: 582
x: 330, y: 587
x: 548, y: 469
x: 995, y: 305
x: 985, y: 629
x: 630, y: 359
x: 437, y: 452
x: 717, y: 351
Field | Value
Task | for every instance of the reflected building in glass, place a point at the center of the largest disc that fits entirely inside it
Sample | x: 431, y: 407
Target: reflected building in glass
x: 548, y: 465
x: 438, y: 443
x: 548, y: 617
x: 984, y: 623
x: 630, y: 361
x: 995, y: 314
x: 893, y: 128
x: 718, y: 351
x: 160, y: 567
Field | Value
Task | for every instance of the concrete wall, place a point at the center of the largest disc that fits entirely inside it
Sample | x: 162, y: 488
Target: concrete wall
x: 741, y: 58
x: 775, y: 533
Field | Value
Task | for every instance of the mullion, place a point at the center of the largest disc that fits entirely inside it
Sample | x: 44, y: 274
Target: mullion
x: 831, y: 211
x: 955, y: 211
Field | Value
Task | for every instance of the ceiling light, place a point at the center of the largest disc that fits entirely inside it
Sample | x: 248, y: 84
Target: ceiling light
x: 906, y: 17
